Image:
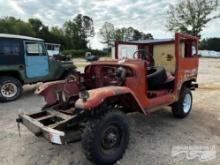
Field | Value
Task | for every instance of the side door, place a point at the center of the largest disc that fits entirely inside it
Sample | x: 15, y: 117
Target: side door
x: 36, y: 59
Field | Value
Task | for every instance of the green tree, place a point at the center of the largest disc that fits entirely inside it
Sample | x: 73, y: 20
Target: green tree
x: 124, y: 34
x: 137, y: 35
x: 74, y: 34
x: 210, y: 44
x: 12, y: 25
x: 40, y: 30
x: 191, y: 16
x: 78, y: 31
x: 36, y: 25
x: 107, y: 34
x: 57, y: 36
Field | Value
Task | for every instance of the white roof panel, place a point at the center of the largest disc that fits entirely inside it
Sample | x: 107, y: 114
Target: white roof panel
x: 153, y: 41
x: 2, y: 35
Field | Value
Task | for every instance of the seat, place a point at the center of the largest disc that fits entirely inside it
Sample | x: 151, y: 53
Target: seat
x: 156, y: 77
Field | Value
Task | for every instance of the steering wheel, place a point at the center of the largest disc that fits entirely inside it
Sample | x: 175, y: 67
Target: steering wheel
x: 120, y: 74
x: 144, y: 55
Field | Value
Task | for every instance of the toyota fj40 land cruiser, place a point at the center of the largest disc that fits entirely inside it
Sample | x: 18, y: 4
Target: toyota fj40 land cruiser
x: 92, y: 106
x: 24, y: 60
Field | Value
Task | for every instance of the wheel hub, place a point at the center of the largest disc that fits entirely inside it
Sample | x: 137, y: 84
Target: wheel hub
x: 111, y: 137
x: 8, y: 90
x: 187, y: 103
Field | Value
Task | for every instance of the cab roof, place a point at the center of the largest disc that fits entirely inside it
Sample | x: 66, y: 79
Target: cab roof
x: 2, y: 35
x: 154, y: 41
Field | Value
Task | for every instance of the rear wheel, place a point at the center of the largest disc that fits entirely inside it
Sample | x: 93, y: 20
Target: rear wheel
x: 106, y: 138
x: 10, y: 89
x: 183, y: 106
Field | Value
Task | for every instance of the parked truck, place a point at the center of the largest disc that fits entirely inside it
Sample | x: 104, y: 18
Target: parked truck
x: 93, y: 106
x: 24, y: 60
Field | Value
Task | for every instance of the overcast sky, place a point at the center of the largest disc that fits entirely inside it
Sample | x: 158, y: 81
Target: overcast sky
x: 145, y: 15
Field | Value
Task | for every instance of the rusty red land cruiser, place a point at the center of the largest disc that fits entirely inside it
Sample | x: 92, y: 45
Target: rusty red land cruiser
x: 92, y: 106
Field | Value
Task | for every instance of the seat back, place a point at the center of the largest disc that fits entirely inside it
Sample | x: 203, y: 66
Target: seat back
x: 164, y: 55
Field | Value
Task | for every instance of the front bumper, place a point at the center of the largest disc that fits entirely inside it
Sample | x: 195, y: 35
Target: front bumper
x: 52, y: 135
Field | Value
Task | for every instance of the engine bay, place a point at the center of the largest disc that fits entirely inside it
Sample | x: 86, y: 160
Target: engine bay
x: 102, y: 75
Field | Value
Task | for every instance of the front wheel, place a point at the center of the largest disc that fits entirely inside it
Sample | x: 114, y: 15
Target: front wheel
x: 10, y: 89
x: 106, y: 138
x: 183, y: 106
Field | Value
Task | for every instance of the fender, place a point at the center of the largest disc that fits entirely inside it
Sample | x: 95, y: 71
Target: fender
x: 14, y: 73
x: 100, y: 95
x: 50, y: 90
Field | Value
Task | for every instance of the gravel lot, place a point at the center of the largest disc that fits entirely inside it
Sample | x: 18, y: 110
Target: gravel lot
x: 152, y: 137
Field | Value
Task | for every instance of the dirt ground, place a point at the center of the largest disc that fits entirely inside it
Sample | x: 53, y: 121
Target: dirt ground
x: 153, y: 138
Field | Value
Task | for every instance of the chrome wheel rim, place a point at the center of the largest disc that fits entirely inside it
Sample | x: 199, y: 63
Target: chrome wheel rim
x: 187, y: 102
x: 9, y: 90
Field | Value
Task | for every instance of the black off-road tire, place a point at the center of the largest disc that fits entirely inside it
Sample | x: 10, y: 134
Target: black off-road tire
x: 15, y: 83
x: 94, y: 139
x: 178, y: 107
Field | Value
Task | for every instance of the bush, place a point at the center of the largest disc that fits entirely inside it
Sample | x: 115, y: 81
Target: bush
x: 81, y: 53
